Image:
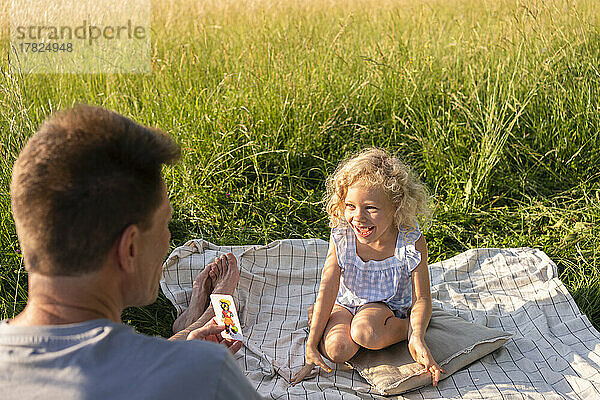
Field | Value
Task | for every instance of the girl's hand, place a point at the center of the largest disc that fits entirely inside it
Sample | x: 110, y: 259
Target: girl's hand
x: 421, y: 354
x: 311, y: 359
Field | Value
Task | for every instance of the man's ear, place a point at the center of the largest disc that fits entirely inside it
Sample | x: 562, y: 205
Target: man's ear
x: 127, y: 248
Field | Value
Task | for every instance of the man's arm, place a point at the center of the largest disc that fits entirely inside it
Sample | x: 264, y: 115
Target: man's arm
x: 204, y: 320
x: 210, y: 332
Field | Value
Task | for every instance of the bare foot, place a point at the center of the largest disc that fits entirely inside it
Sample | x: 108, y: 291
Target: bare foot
x: 201, y: 289
x: 219, y: 277
x: 224, y: 274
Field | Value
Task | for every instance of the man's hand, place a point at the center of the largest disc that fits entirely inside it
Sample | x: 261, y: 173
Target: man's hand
x: 211, y: 332
x: 421, y: 354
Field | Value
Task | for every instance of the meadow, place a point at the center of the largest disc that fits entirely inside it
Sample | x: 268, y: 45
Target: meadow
x: 495, y: 104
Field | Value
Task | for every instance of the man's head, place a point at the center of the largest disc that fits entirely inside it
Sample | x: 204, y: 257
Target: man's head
x: 85, y: 177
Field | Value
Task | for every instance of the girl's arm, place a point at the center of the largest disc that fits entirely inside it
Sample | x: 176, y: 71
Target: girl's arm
x: 420, y: 312
x: 420, y: 315
x: 328, y: 290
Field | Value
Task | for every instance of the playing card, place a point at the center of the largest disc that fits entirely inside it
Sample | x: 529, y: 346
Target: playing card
x: 226, y: 314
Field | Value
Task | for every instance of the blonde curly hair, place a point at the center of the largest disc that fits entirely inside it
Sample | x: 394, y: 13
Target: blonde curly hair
x: 376, y: 167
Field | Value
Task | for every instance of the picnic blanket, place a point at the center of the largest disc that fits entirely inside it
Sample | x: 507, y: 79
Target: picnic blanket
x: 555, y: 353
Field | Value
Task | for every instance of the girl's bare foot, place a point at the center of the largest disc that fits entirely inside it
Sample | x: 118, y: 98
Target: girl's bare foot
x: 201, y: 289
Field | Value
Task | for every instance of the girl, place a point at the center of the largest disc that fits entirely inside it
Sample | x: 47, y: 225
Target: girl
x: 374, y: 288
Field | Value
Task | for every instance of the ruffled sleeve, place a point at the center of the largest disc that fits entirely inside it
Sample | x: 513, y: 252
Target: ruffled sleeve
x: 406, y: 249
x: 412, y: 235
x: 339, y: 238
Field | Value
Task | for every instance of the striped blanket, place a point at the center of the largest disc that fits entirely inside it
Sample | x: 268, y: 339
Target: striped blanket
x: 555, y: 353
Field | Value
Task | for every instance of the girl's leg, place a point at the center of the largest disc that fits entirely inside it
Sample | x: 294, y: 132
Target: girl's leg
x: 336, y: 344
x: 375, y: 327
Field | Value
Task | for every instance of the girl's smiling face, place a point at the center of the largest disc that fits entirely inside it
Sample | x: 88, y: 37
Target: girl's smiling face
x: 370, y: 213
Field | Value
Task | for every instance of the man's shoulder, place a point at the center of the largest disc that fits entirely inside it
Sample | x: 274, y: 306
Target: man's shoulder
x: 174, y: 367
x: 158, y: 349
x: 68, y: 361
x: 111, y: 337
x: 183, y: 349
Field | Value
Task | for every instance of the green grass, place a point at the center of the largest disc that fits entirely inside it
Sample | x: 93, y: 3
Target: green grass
x: 494, y: 103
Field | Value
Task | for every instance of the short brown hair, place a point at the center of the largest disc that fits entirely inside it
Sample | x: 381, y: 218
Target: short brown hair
x: 80, y: 180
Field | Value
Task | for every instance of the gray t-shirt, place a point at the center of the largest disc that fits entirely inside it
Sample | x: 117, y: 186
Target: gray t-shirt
x: 100, y: 359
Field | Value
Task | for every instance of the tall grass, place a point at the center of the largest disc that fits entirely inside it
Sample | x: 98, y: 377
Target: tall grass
x: 494, y: 104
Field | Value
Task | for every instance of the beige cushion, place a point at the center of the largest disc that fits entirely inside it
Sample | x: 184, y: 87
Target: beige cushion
x: 454, y: 343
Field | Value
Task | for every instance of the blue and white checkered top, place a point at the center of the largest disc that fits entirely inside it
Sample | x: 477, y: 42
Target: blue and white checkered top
x: 386, y: 281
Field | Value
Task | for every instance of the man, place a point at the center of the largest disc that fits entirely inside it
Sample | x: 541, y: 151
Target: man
x: 92, y: 213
